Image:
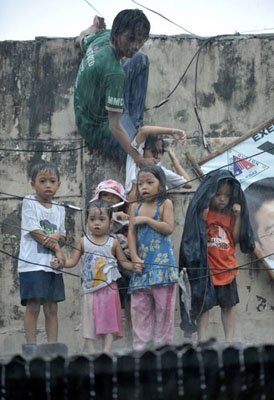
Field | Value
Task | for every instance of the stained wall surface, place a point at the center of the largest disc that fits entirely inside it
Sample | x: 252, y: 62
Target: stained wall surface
x: 231, y: 84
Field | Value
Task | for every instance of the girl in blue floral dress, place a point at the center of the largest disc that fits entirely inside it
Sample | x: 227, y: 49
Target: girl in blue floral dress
x: 153, y: 291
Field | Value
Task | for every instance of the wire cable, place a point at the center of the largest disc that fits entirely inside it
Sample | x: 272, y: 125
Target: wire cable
x: 167, y: 98
x: 168, y: 190
x: 63, y: 271
x: 241, y: 266
x: 16, y: 149
x: 167, y: 19
x: 97, y: 12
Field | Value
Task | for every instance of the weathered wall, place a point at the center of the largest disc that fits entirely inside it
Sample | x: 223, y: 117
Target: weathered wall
x: 235, y: 93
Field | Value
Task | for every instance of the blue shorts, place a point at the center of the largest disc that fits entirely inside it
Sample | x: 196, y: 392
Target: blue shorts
x: 47, y: 287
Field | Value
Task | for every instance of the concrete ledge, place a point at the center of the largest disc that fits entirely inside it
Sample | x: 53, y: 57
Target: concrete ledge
x: 46, y: 350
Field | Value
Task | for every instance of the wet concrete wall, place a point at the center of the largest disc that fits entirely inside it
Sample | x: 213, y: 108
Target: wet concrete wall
x: 232, y: 88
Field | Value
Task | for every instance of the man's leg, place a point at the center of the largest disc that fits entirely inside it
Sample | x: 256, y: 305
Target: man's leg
x: 137, y: 71
x: 136, y: 80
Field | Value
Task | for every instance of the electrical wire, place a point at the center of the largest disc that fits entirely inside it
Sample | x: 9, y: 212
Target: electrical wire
x: 196, y: 55
x: 206, y: 275
x: 167, y: 98
x: 164, y: 101
x: 19, y: 228
x: 171, y: 188
x: 256, y: 30
x: 97, y: 12
x: 16, y: 149
x: 86, y: 252
x: 167, y: 19
x: 70, y: 206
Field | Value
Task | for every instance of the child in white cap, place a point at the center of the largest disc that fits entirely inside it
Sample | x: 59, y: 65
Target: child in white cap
x: 114, y: 192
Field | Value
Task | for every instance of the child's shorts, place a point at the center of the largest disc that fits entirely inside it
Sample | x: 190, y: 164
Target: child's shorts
x: 47, y: 287
x: 227, y: 295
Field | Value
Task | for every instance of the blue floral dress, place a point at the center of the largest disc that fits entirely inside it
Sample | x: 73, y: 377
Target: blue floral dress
x: 156, y: 250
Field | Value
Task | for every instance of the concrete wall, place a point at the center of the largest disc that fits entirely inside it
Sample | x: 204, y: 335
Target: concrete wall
x: 234, y: 93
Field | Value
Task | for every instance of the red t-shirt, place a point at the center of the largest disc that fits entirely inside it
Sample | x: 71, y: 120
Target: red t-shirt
x: 221, y: 247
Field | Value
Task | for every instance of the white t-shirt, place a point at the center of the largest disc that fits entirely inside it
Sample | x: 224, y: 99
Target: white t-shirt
x: 172, y: 178
x: 37, y: 217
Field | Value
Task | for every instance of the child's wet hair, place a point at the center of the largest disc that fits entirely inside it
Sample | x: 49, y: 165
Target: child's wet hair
x: 150, y: 143
x: 132, y: 20
x: 102, y: 205
x: 223, y: 182
x: 44, y: 166
x: 159, y: 175
x: 229, y: 182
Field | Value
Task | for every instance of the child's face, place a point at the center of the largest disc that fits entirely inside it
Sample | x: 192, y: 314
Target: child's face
x: 265, y: 231
x: 148, y: 185
x: 156, y: 153
x: 98, y: 221
x: 222, y: 197
x: 46, y: 185
x: 111, y: 197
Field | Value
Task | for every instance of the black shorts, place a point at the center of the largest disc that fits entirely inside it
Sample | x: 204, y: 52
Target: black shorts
x: 47, y: 287
x: 227, y: 295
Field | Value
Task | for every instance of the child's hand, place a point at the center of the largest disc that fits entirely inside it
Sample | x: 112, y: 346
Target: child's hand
x: 204, y: 213
x: 179, y: 135
x: 236, y: 209
x: 139, y: 220
x: 59, y: 261
x: 99, y: 24
x: 120, y: 216
x: 138, y: 265
x: 51, y: 241
x: 56, y: 263
x: 171, y: 150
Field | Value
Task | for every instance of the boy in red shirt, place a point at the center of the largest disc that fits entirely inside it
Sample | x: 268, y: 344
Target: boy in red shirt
x: 223, y: 229
x: 217, y: 218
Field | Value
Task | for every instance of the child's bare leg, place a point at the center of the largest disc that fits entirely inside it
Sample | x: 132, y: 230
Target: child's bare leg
x: 108, y: 340
x: 51, y: 321
x: 228, y: 321
x: 89, y: 346
x: 128, y: 323
x: 203, y: 326
x: 30, y: 320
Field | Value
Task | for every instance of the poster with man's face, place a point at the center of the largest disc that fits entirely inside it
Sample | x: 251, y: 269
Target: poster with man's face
x: 251, y: 160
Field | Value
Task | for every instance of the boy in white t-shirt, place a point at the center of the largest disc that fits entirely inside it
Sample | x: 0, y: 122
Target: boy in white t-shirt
x: 43, y: 228
x: 149, y: 143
